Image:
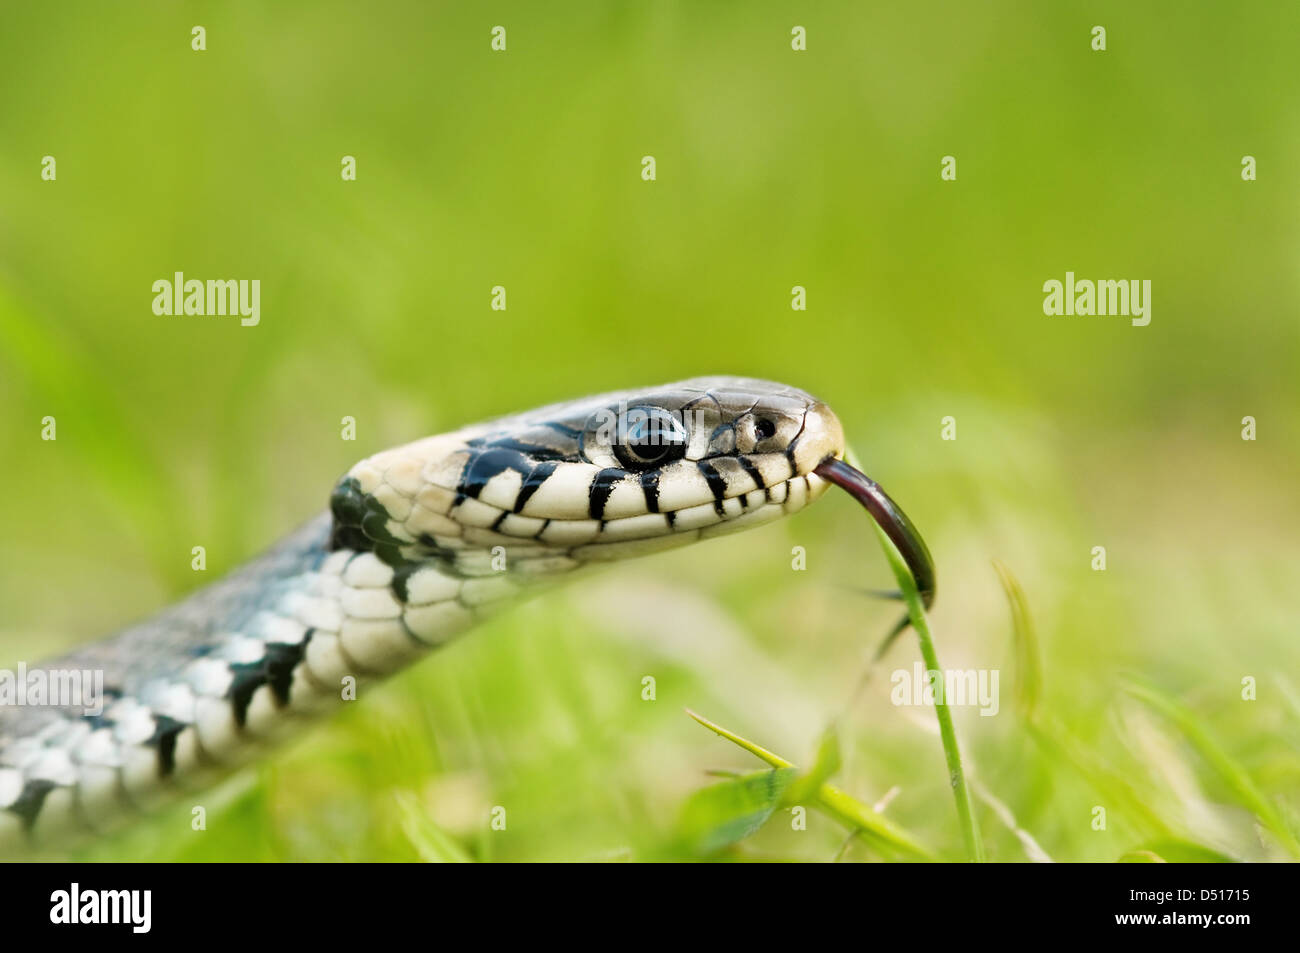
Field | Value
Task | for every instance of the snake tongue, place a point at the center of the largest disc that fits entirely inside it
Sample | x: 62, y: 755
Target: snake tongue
x: 894, y: 522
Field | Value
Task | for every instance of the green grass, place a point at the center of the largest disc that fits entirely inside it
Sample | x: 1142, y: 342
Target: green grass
x: 819, y: 169
x: 715, y: 810
x: 534, y: 723
x: 951, y: 752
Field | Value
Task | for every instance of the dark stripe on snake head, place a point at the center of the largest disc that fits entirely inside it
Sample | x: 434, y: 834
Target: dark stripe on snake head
x: 484, y: 466
x: 747, y: 465
x: 601, y: 487
x: 717, y: 482
x: 650, y: 487
x: 532, y: 480
x: 528, y: 448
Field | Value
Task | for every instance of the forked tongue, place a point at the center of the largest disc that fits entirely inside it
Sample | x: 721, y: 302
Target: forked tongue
x: 896, y: 525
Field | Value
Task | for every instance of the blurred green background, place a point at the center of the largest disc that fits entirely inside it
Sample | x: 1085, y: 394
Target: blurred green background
x: 775, y: 168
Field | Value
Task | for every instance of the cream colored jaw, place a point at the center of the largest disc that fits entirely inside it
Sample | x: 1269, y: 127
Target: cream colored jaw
x: 417, y: 484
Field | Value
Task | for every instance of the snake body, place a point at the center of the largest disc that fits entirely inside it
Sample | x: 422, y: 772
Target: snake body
x: 419, y: 543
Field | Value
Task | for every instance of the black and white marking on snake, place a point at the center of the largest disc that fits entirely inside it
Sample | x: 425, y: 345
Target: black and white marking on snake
x: 419, y: 543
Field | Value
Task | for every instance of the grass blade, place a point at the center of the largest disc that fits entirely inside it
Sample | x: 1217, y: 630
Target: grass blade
x: 1029, y: 664
x: 952, y: 754
x: 878, y: 831
x: 1229, y: 770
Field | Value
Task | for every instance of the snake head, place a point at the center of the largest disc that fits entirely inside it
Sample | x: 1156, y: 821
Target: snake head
x: 601, y: 478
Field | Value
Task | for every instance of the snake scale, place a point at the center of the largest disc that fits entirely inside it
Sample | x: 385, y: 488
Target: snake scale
x: 418, y: 544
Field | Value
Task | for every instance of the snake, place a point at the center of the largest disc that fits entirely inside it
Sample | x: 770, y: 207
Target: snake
x: 418, y: 544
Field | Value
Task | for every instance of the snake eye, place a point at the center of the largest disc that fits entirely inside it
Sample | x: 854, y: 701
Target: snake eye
x: 764, y: 429
x: 650, y: 436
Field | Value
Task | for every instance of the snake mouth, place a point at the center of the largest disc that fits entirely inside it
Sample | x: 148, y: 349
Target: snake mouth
x: 891, y: 518
x: 596, y: 479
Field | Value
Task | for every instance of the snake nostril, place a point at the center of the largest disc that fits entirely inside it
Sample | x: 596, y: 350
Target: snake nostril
x: 763, y: 429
